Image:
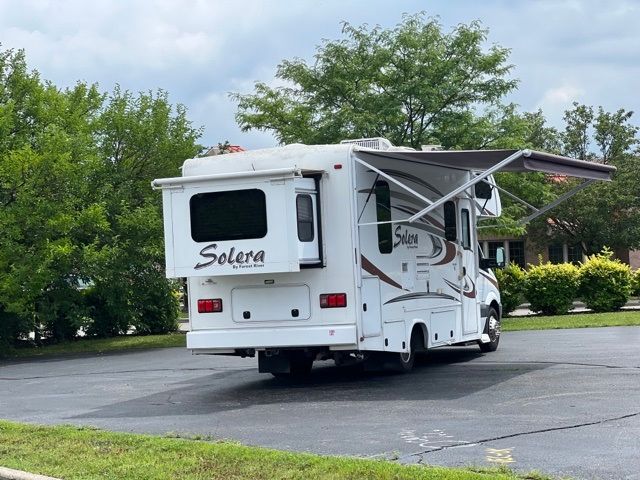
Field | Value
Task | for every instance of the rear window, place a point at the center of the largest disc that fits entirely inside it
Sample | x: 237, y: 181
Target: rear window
x: 230, y: 215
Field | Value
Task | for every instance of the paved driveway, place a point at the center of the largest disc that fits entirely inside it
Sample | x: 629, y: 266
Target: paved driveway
x: 566, y: 402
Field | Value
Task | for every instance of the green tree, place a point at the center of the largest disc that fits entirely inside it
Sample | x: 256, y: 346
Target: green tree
x: 139, y: 137
x: 410, y: 84
x: 413, y: 84
x: 48, y: 227
x: 76, y: 207
x: 607, y: 213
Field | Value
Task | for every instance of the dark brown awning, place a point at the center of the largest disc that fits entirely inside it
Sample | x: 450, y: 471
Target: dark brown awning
x: 529, y: 161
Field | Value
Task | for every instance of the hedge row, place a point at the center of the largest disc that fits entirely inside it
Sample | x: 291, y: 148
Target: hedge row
x: 602, y: 283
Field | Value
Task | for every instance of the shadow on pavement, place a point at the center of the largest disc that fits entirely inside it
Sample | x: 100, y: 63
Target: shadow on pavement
x: 443, y: 375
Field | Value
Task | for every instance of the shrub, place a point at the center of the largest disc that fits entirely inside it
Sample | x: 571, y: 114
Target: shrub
x: 156, y: 306
x: 550, y: 288
x: 605, y: 283
x: 109, y: 309
x: 635, y: 283
x: 12, y: 328
x: 511, y: 282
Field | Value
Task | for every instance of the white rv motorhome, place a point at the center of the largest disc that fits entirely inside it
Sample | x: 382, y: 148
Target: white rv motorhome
x: 356, y: 251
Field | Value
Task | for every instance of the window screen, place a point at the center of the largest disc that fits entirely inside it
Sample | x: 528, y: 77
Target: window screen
x: 383, y: 214
x: 574, y: 253
x: 466, y: 232
x: 230, y: 215
x: 556, y: 254
x: 516, y: 252
x: 304, y: 211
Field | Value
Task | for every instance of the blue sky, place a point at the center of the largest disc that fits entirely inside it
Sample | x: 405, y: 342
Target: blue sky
x: 199, y: 51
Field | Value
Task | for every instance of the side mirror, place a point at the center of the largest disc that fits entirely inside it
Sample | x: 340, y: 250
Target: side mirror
x: 500, y: 257
x: 498, y: 262
x: 450, y: 230
x: 483, y: 190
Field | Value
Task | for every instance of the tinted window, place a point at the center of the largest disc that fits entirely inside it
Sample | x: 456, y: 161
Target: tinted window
x: 383, y: 214
x: 231, y: 215
x: 466, y: 232
x: 304, y: 209
x: 450, y: 230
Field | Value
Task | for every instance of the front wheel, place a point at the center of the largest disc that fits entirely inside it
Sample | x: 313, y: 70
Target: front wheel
x: 493, y: 330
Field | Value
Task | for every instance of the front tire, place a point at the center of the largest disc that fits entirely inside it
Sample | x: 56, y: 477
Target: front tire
x: 493, y: 330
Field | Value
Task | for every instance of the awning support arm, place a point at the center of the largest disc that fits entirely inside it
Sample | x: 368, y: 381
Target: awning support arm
x: 470, y: 183
x: 556, y: 202
x: 515, y: 197
x: 391, y: 179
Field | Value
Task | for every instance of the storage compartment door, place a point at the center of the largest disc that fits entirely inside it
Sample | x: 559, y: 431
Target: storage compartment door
x: 230, y: 227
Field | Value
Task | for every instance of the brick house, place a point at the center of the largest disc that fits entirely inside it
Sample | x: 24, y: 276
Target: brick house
x: 522, y: 251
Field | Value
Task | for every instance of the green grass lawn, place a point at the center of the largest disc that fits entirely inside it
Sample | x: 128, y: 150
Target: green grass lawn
x: 99, y: 345
x: 85, y: 453
x: 576, y: 320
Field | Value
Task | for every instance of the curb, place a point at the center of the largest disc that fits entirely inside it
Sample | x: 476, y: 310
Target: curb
x: 10, y: 474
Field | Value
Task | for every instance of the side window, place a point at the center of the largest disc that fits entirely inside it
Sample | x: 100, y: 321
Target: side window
x: 466, y: 231
x: 304, y: 211
x: 450, y: 229
x: 383, y: 214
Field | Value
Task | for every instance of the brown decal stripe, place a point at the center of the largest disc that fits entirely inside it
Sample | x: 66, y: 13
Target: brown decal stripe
x: 491, y: 280
x: 469, y: 294
x: 373, y: 270
x: 449, y: 255
x: 419, y: 296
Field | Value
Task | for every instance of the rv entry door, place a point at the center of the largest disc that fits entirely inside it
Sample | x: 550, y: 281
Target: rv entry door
x: 467, y: 266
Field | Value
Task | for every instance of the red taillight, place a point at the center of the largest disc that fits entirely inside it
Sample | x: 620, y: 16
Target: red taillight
x: 209, y: 305
x: 333, y: 300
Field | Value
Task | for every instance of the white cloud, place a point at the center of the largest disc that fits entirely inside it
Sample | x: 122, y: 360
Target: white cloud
x: 199, y: 50
x: 556, y: 100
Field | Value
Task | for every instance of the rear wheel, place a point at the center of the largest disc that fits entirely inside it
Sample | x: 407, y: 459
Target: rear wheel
x: 403, y: 362
x: 493, y: 330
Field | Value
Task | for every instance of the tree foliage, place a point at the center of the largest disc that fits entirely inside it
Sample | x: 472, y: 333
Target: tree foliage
x: 76, y: 208
x: 606, y: 213
x: 411, y: 84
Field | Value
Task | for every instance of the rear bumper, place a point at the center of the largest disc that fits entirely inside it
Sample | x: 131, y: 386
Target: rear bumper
x: 281, y: 337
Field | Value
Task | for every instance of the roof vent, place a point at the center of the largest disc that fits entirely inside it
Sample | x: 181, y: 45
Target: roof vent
x: 376, y: 143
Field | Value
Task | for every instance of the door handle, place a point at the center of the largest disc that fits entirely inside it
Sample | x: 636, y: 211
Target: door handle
x: 364, y: 307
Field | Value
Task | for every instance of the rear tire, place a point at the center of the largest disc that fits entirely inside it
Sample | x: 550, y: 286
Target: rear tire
x: 493, y: 330
x: 403, y: 362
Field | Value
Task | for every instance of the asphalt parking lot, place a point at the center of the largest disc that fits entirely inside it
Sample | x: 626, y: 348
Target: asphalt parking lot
x: 564, y: 402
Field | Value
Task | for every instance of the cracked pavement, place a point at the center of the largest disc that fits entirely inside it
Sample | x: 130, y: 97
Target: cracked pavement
x: 564, y: 402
